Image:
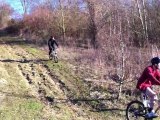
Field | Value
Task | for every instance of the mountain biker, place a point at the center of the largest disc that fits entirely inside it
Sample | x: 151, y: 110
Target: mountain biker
x: 149, y: 77
x: 52, y: 45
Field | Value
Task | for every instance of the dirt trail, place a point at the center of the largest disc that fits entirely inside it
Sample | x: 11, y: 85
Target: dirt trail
x: 35, y: 74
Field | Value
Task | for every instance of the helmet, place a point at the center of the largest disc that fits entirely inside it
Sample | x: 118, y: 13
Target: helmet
x: 155, y: 60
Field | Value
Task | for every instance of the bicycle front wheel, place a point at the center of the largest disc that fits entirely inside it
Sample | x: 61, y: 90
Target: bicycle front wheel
x: 55, y: 59
x: 135, y: 111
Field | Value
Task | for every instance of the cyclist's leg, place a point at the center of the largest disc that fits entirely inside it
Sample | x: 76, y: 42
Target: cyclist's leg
x: 50, y: 51
x: 152, y: 95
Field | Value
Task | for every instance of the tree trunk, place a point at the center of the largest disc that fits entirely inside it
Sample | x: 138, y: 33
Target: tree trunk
x: 24, y: 6
x: 145, y: 19
x: 122, y: 65
x: 92, y: 27
x: 62, y: 20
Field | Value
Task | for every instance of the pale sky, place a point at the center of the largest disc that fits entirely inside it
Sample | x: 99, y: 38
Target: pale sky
x: 16, y: 5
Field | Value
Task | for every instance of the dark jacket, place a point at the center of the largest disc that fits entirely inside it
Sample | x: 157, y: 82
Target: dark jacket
x: 52, y: 43
x: 149, y: 77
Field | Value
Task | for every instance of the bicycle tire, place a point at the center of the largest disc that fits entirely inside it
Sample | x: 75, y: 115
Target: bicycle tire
x: 135, y: 111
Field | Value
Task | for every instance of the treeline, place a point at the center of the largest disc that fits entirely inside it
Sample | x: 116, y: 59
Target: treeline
x: 91, y: 22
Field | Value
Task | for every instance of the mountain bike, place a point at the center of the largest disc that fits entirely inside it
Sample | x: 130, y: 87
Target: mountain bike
x: 53, y: 56
x: 136, y: 110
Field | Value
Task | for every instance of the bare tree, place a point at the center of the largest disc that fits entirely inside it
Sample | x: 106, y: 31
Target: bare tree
x: 145, y: 19
x: 26, y: 5
x: 5, y: 13
x: 142, y: 12
x: 62, y: 19
x: 92, y: 26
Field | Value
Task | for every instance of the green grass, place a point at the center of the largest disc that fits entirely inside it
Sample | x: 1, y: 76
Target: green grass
x: 15, y: 82
x: 21, y: 109
x: 19, y: 104
x: 62, y: 69
x: 8, y: 38
x: 34, y: 51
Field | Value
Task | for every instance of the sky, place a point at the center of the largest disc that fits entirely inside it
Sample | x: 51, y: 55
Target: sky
x: 16, y: 5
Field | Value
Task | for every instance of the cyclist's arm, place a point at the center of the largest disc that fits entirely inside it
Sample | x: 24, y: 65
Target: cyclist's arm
x: 158, y: 75
x: 49, y: 44
x: 56, y: 44
x: 155, y: 81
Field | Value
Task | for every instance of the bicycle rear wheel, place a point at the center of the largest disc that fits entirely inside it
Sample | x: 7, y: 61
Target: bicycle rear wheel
x: 135, y: 111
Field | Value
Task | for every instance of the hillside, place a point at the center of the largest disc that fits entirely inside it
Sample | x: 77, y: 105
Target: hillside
x: 34, y: 88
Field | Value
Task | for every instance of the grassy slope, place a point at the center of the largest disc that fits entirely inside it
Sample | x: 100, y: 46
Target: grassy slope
x: 20, y: 100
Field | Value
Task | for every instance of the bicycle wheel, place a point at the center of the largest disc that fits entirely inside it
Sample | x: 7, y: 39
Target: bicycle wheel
x: 135, y: 111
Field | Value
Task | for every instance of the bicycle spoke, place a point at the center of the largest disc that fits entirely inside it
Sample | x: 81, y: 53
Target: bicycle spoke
x: 135, y: 111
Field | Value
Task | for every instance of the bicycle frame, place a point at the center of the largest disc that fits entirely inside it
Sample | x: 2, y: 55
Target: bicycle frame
x: 54, y: 53
x: 54, y: 56
x: 146, y: 102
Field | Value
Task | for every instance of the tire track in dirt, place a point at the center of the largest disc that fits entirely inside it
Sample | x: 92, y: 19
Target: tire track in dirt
x: 38, y: 78
x: 46, y: 86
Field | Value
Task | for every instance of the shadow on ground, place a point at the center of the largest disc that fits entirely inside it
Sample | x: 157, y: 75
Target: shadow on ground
x: 99, y: 108
x: 11, y: 94
x: 16, y: 42
x: 24, y: 61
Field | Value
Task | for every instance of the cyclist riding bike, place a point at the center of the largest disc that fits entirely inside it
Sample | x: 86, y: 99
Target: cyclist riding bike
x: 52, y: 45
x: 150, y: 77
